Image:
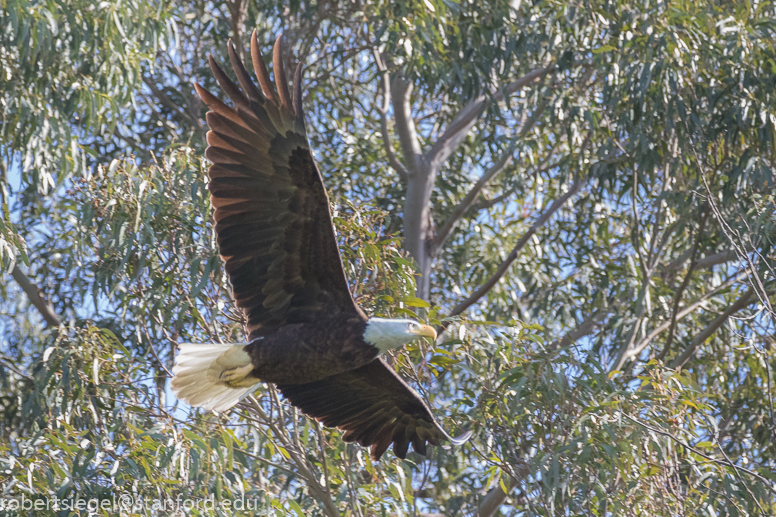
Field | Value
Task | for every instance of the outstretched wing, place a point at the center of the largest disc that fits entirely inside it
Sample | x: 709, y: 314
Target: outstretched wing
x: 271, y: 209
x: 374, y: 407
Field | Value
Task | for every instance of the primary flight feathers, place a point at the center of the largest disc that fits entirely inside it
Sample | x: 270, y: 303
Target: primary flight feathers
x: 306, y: 333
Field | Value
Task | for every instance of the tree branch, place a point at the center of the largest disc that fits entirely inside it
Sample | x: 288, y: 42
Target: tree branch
x: 172, y: 106
x: 3, y: 182
x: 36, y: 299
x: 401, y: 94
x: 726, y: 462
x: 389, y: 151
x: 468, y: 200
x: 583, y: 329
x: 706, y: 262
x: 457, y: 130
x: 238, y: 10
x: 636, y: 350
x: 500, y: 165
x: 502, y: 269
x: 494, y: 499
x: 488, y: 203
x: 710, y: 330
x: 716, y: 259
x: 682, y: 287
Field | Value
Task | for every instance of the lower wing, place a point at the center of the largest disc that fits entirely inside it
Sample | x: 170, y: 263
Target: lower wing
x: 374, y: 407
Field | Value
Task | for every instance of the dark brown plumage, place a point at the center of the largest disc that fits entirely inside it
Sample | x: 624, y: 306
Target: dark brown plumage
x: 277, y: 240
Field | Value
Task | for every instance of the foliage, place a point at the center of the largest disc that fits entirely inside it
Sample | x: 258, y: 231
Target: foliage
x: 85, y: 428
x: 587, y: 445
x: 68, y: 68
x: 623, y: 365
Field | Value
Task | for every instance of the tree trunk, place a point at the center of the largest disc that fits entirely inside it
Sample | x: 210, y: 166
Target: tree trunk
x: 418, y: 225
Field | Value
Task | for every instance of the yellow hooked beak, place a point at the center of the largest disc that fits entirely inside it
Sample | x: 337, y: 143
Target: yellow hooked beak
x: 426, y: 331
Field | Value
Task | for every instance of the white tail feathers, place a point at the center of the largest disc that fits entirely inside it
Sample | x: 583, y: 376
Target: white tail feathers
x: 212, y: 376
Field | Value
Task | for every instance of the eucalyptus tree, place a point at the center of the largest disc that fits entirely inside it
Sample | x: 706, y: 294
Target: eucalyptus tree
x: 581, y: 195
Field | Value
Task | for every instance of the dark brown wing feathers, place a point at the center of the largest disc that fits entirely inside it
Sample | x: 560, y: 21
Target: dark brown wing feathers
x: 271, y: 210
x: 374, y: 407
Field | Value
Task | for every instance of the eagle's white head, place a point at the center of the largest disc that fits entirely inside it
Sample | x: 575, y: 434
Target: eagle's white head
x: 387, y: 334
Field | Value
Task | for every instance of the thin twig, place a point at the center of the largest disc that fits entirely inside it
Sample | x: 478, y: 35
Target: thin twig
x: 726, y: 462
x: 458, y: 129
x: 636, y: 350
x: 682, y: 288
x: 767, y: 362
x: 172, y: 106
x: 322, y: 456
x: 757, y: 284
x: 448, y: 226
x: 741, y: 479
x: 9, y: 364
x: 711, y: 329
x: 637, y: 223
x: 502, y: 269
x: 321, y: 494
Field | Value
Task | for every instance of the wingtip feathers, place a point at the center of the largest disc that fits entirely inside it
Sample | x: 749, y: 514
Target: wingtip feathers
x: 298, y: 111
x: 280, y: 74
x: 260, y: 68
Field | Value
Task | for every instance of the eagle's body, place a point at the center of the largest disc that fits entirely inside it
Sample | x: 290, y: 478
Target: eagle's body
x: 305, y: 332
x: 311, y: 351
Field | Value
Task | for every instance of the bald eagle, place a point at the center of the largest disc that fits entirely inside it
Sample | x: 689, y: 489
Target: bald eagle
x: 306, y: 334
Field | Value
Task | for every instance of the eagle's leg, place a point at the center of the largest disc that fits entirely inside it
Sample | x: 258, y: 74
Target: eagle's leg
x: 239, y: 377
